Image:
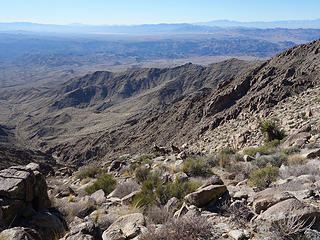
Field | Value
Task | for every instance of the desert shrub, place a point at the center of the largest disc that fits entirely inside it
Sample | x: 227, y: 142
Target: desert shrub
x: 196, y: 167
x: 267, y: 148
x: 296, y: 159
x: 275, y: 160
x: 177, y: 189
x: 145, y: 159
x: 264, y: 177
x: 88, y: 172
x: 106, y: 182
x: 184, y: 228
x: 146, y: 196
x: 158, y: 214
x: 309, y: 168
x: 271, y: 130
x: 124, y: 189
x: 291, y: 150
x: 226, y: 157
x: 142, y: 174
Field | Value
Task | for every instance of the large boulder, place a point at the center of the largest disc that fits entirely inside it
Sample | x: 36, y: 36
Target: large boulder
x: 83, y: 230
x: 19, y: 233
x: 267, y: 198
x: 49, y: 224
x: 24, y: 202
x: 203, y: 196
x: 21, y: 187
x: 125, y: 227
x: 291, y: 209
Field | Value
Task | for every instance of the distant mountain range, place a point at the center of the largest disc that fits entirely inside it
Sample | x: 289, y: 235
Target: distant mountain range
x: 206, y: 27
x: 260, y: 24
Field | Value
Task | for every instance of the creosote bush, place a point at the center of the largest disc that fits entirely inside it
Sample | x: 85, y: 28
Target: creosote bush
x: 196, y: 167
x: 271, y: 130
x: 106, y: 182
x: 263, y: 177
x: 153, y: 191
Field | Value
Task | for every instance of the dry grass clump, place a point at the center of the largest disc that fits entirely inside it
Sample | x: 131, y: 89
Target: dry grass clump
x: 184, y: 228
x: 158, y: 215
x: 296, y: 159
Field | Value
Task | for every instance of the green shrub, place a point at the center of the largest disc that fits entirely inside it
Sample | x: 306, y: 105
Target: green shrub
x: 271, y: 130
x: 291, y: 150
x: 274, y: 160
x: 177, y: 189
x: 196, y: 167
x: 146, y: 196
x: 142, y: 174
x: 264, y: 177
x: 90, y: 172
x: 267, y: 148
x: 145, y: 159
x: 106, y: 182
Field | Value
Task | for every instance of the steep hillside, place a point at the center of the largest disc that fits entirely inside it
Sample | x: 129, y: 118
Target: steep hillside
x: 72, y: 115
x: 247, y: 98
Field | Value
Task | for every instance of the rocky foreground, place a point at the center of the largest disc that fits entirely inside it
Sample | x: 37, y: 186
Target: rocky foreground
x: 266, y: 192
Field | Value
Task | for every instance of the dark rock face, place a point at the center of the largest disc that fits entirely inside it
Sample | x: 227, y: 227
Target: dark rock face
x: 14, y: 156
x: 24, y: 202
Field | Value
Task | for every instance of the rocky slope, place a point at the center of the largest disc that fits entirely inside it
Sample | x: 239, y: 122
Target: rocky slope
x: 72, y: 115
x: 250, y: 95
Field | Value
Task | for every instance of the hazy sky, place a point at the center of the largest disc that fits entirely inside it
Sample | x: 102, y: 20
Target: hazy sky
x: 155, y: 11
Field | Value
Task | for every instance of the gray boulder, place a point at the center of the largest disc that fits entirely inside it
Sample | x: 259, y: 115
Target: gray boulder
x: 291, y: 208
x: 19, y: 233
x: 267, y: 198
x: 203, y: 196
x: 99, y: 196
x: 125, y: 227
x: 22, y: 187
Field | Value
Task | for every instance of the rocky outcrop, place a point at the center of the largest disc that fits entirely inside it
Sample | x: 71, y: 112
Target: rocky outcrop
x: 293, y: 209
x: 24, y: 202
x: 267, y: 198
